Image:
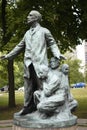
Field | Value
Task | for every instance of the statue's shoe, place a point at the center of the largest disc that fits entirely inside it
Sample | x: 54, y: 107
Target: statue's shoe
x: 25, y: 110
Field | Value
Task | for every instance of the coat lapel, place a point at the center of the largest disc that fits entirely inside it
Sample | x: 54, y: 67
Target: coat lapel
x: 34, y: 30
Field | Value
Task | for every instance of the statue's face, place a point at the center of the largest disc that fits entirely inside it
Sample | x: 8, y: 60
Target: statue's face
x: 65, y: 69
x: 32, y: 17
x: 54, y: 63
x: 42, y: 71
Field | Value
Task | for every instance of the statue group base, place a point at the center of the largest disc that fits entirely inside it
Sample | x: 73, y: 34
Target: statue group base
x: 33, y: 122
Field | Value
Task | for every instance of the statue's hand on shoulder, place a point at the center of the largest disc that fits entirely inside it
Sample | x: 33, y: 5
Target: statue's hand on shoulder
x: 3, y: 57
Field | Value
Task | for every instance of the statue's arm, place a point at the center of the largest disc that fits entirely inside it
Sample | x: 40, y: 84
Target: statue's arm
x: 16, y: 50
x: 52, y: 44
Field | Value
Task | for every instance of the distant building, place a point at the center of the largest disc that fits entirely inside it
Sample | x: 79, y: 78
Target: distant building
x: 82, y: 54
x: 85, y: 48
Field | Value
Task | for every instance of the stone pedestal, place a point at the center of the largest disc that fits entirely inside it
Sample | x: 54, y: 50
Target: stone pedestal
x: 34, y: 122
x: 21, y: 128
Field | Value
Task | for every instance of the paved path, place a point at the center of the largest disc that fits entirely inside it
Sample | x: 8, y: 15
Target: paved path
x: 82, y: 124
x: 7, y: 124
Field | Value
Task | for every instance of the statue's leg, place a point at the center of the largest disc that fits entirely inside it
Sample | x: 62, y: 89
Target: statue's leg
x: 28, y: 92
x: 36, y: 82
x: 50, y: 104
x: 29, y: 105
x: 31, y: 84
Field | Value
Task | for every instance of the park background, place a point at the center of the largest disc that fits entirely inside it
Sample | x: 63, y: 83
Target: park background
x: 66, y: 19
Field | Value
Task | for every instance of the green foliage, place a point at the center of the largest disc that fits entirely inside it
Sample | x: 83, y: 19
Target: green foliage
x: 75, y: 75
x: 3, y: 73
x: 65, y: 18
x: 85, y: 74
x: 18, y: 71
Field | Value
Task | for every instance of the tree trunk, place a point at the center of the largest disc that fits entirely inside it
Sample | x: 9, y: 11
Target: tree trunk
x: 11, y: 102
x: 3, y: 16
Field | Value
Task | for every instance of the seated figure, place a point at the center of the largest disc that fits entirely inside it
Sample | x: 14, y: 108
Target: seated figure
x: 54, y: 96
x: 71, y: 101
x: 44, y: 97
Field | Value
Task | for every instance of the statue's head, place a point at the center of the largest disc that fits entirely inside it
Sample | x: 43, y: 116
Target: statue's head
x: 42, y: 71
x: 54, y: 63
x: 65, y: 68
x: 34, y: 16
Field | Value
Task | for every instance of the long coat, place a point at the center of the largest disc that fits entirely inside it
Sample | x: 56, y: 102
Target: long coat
x: 35, y: 44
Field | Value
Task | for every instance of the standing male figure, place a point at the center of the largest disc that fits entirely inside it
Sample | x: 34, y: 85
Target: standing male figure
x: 35, y: 43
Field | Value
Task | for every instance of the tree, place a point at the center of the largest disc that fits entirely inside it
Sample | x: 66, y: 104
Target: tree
x: 11, y: 84
x: 65, y: 18
x: 10, y: 62
x: 85, y: 75
x: 75, y: 75
x: 3, y: 16
x: 62, y: 17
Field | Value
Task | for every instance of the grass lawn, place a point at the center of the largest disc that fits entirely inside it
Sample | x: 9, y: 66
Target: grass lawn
x: 7, y: 113
x: 80, y: 94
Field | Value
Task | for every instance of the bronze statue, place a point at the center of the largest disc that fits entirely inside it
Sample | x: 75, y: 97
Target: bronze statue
x: 46, y: 88
x: 35, y: 43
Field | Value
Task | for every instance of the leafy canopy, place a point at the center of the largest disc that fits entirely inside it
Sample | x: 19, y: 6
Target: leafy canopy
x: 66, y: 19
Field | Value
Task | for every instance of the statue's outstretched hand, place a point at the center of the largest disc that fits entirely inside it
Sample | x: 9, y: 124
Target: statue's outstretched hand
x: 62, y: 57
x: 3, y: 57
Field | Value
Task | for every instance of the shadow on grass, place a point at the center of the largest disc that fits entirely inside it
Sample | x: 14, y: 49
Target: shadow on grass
x: 7, y: 113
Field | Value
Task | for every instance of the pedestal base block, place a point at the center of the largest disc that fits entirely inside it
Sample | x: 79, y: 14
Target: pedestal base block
x: 21, y: 128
